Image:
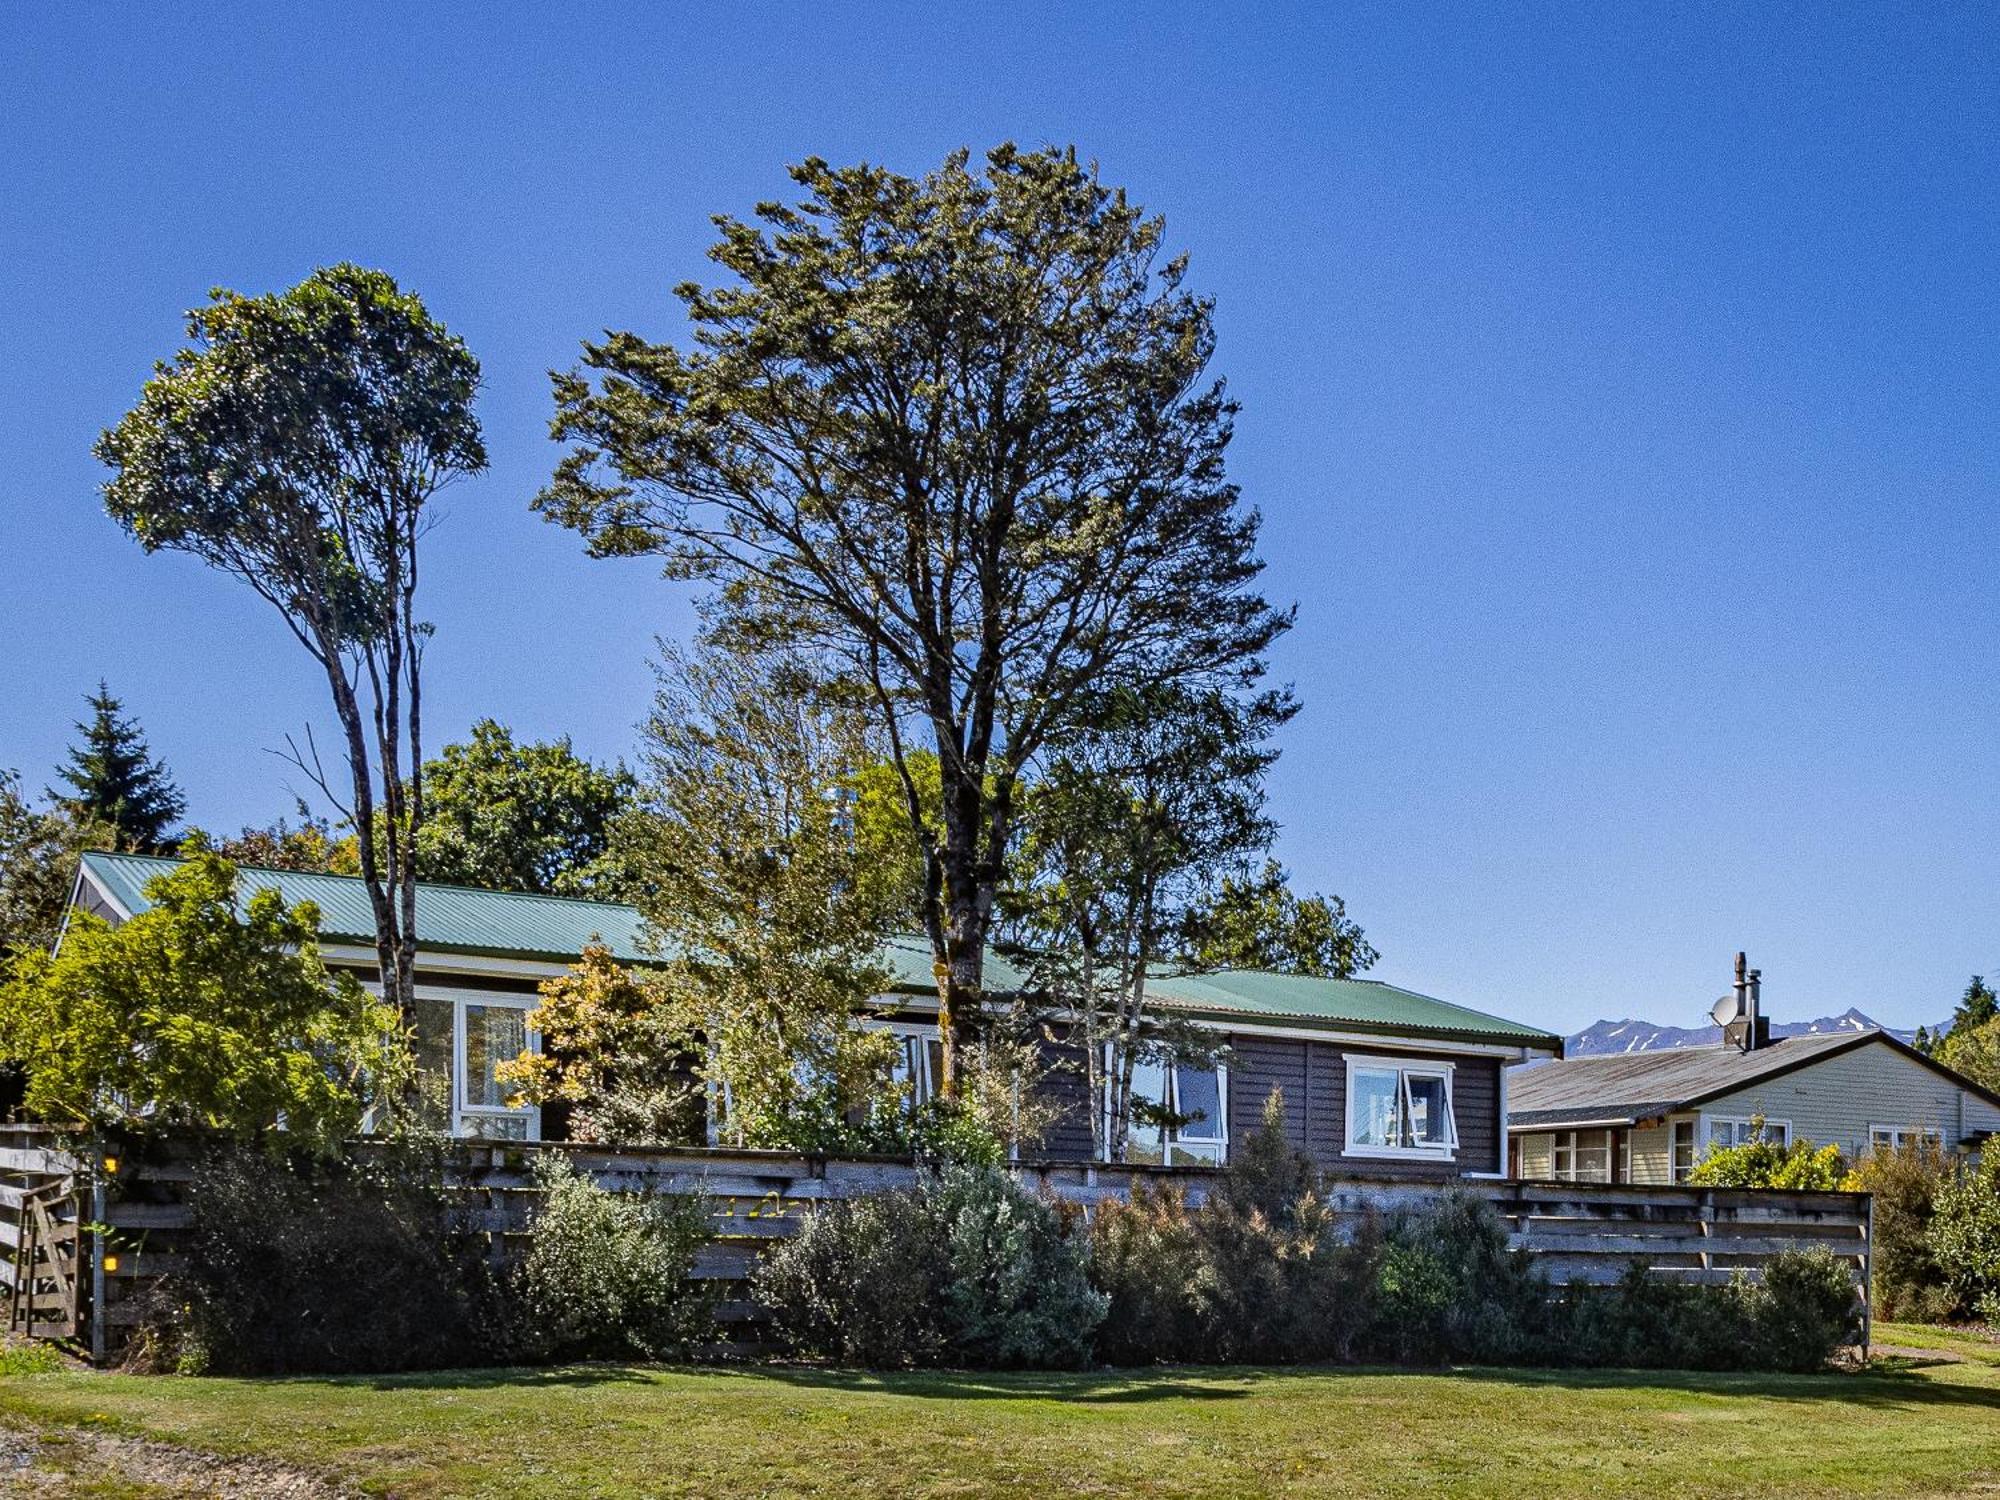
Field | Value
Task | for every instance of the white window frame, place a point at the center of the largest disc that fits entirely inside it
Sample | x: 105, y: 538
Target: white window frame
x: 1898, y: 1134
x: 1779, y: 1131
x: 1404, y: 1068
x: 1192, y: 1150
x: 923, y: 1087
x: 1676, y: 1172
x: 461, y: 1109
x: 1569, y: 1144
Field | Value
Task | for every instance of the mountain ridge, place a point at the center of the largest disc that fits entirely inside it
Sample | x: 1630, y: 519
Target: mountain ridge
x: 1604, y: 1037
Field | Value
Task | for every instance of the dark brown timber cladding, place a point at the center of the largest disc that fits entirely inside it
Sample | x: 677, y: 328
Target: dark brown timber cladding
x: 1313, y: 1077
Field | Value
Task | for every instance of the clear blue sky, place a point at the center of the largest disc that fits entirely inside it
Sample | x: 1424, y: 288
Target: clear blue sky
x: 1619, y: 388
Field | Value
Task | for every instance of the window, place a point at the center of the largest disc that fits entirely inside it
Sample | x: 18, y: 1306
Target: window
x: 1727, y: 1131
x: 1397, y: 1108
x: 1199, y: 1093
x: 1581, y: 1156
x: 465, y: 1039
x: 919, y: 1061
x: 1893, y: 1137
x: 492, y: 1034
x: 1683, y: 1149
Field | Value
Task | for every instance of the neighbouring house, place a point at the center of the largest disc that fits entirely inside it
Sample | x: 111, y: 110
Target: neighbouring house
x: 1373, y: 1076
x: 1648, y: 1117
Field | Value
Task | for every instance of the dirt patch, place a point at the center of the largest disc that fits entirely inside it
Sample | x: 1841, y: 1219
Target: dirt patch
x: 48, y: 1463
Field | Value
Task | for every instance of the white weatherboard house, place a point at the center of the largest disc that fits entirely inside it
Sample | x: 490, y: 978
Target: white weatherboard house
x: 1648, y: 1117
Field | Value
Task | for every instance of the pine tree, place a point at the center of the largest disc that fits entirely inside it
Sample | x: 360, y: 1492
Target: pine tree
x: 116, y: 780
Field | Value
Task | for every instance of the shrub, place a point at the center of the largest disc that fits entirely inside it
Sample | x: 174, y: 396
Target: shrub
x: 1762, y: 1162
x: 1909, y: 1284
x: 1453, y: 1289
x: 1145, y: 1256
x: 1964, y: 1238
x: 1802, y: 1311
x: 1260, y: 1273
x: 611, y: 1275
x: 302, y: 1267
x: 965, y: 1268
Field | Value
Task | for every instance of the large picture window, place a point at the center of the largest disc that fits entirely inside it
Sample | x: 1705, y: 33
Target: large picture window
x: 1199, y: 1093
x: 465, y: 1038
x: 1398, y: 1107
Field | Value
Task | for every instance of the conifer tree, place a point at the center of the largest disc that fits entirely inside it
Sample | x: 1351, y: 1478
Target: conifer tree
x: 114, y: 779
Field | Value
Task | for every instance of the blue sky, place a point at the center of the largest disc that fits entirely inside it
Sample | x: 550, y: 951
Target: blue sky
x: 1619, y: 390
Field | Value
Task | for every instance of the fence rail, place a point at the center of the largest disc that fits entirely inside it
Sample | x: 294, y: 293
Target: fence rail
x: 1576, y: 1231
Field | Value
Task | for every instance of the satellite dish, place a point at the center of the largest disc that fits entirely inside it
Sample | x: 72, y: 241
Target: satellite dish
x: 1724, y: 1010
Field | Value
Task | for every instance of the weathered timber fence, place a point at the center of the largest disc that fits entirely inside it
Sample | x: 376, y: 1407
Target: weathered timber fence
x: 1576, y: 1231
x: 42, y: 1260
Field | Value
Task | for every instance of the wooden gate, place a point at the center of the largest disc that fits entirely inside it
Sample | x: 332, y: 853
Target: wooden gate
x: 41, y: 1239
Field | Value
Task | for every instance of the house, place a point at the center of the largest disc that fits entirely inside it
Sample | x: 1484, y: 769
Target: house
x: 1373, y: 1076
x: 1648, y: 1117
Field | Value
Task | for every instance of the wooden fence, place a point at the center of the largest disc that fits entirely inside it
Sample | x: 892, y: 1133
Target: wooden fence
x: 42, y: 1259
x: 1576, y: 1231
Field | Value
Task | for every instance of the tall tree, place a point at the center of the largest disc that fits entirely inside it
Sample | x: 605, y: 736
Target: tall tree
x: 39, y: 849
x: 115, y: 781
x: 1256, y: 921
x: 510, y: 816
x: 1131, y: 825
x: 751, y: 880
x: 297, y: 443
x: 956, y: 433
x: 1976, y: 1007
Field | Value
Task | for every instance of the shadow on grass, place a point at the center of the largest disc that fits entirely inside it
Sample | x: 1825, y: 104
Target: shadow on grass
x: 1885, y: 1386
x: 1877, y: 1386
x: 1098, y: 1387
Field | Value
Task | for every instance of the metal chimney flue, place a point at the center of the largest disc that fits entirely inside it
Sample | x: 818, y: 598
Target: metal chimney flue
x: 1745, y: 1029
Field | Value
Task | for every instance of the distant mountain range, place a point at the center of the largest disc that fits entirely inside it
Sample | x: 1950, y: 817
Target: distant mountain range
x: 1645, y: 1036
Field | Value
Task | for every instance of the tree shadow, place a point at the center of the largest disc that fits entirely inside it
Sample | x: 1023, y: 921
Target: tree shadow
x: 1881, y: 1384
x: 1893, y: 1383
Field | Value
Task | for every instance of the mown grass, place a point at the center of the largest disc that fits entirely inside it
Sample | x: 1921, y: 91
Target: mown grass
x: 1910, y: 1426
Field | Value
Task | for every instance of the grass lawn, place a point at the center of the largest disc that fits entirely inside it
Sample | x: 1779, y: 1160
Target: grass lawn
x: 1910, y: 1426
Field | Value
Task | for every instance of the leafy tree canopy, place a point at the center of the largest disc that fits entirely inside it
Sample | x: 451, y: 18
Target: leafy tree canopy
x: 1764, y: 1163
x: 749, y: 873
x: 954, y: 434
x: 297, y: 443
x: 512, y: 816
x: 1255, y: 921
x: 39, y: 848
x: 314, y: 847
x: 115, y: 781
x: 1975, y: 1052
x: 189, y: 1014
x: 613, y: 1055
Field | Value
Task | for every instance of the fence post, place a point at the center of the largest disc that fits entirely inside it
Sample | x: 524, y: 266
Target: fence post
x: 1868, y: 1280
x: 100, y: 1210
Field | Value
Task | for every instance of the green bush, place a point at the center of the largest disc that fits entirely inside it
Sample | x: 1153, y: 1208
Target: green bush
x: 1145, y: 1256
x: 1802, y: 1311
x: 1763, y: 1163
x: 610, y: 1275
x: 1453, y: 1289
x: 1909, y: 1283
x: 296, y: 1266
x: 963, y: 1269
x: 1260, y: 1273
x: 1964, y: 1237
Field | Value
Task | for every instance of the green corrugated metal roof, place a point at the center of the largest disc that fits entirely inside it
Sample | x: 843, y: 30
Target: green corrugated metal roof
x: 510, y: 924
x: 1358, y: 1004
x: 448, y: 916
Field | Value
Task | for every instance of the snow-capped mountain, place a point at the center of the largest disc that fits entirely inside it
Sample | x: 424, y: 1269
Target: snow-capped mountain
x: 1646, y: 1036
